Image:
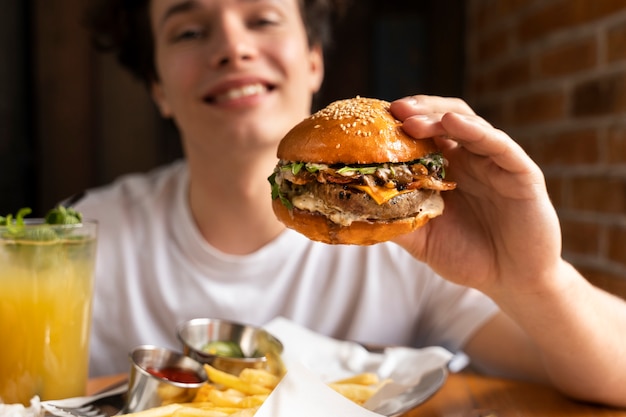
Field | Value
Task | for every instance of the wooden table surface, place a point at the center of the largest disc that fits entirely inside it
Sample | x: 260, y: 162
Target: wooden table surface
x: 470, y: 395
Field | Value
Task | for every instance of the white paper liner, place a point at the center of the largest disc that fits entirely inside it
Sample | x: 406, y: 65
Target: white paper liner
x: 18, y: 410
x: 313, y: 360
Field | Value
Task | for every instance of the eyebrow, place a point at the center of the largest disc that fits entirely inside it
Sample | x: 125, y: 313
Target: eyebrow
x: 189, y: 5
x: 178, y: 8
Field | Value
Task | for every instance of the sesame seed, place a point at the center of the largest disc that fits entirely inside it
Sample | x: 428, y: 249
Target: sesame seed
x: 361, y: 110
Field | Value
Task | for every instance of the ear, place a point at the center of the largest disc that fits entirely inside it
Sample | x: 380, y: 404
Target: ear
x: 316, y: 62
x: 158, y: 95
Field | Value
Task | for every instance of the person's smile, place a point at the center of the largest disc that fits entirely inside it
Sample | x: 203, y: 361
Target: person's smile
x: 239, y: 91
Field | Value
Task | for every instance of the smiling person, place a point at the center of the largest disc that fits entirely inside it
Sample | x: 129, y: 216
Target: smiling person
x: 198, y: 238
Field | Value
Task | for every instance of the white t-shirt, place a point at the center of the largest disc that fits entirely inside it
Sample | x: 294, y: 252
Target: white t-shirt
x: 154, y: 270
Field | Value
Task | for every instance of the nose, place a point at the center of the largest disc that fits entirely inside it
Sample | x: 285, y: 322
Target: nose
x: 232, y: 43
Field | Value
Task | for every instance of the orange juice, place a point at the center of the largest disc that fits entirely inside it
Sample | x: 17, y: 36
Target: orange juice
x: 46, y: 291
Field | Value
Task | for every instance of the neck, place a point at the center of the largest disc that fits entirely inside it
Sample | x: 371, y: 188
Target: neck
x: 230, y: 202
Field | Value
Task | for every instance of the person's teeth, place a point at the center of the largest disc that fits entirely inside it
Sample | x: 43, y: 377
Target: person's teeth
x: 246, y: 90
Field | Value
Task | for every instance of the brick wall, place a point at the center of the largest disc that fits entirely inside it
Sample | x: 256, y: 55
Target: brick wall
x: 552, y: 73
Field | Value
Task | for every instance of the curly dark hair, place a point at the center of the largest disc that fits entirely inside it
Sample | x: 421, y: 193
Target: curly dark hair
x: 123, y: 27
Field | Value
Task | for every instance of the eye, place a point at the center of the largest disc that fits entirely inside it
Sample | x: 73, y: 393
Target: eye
x: 264, y: 22
x: 266, y: 19
x: 189, y: 34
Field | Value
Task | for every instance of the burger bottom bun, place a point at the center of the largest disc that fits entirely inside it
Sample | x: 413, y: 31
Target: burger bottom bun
x: 318, y: 227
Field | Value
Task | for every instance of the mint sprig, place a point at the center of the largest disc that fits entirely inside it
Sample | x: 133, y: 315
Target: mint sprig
x: 16, y: 227
x: 63, y: 215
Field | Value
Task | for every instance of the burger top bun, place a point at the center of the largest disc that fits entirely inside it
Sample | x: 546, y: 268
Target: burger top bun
x: 352, y: 131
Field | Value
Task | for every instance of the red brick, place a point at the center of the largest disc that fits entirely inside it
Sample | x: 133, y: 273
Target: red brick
x: 600, y: 96
x: 616, y: 145
x: 495, y: 113
x: 539, y: 107
x: 568, y: 58
x: 525, y: 141
x: 473, y: 86
x: 617, y: 245
x: 567, y: 148
x: 546, y: 20
x: 490, y: 12
x: 493, y: 46
x: 532, y: 144
x: 555, y: 190
x: 613, y: 283
x: 616, y: 43
x: 510, y: 74
x: 593, y: 10
x: 565, y: 14
x: 580, y: 237
x: 597, y: 194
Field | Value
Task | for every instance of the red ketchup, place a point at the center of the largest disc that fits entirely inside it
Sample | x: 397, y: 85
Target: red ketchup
x: 176, y: 374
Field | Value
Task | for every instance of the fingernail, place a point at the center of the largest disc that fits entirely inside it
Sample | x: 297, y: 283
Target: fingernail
x: 411, y: 100
x: 422, y: 117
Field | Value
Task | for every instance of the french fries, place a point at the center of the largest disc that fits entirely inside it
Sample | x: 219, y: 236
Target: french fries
x: 228, y: 395
x: 358, y: 388
x: 231, y: 381
x: 170, y: 394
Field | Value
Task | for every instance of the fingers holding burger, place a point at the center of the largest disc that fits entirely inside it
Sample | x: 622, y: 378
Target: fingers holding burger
x: 349, y: 174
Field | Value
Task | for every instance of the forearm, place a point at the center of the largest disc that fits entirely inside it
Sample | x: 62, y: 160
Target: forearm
x: 580, y: 332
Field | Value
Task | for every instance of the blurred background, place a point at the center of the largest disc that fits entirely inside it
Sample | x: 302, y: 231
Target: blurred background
x: 551, y: 73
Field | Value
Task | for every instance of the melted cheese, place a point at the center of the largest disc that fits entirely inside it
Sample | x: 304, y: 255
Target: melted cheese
x: 380, y: 194
x: 313, y: 204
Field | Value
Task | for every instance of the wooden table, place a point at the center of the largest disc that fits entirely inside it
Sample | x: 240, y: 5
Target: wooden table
x: 470, y: 395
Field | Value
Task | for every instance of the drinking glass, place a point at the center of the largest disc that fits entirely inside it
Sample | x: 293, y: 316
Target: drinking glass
x: 46, y: 291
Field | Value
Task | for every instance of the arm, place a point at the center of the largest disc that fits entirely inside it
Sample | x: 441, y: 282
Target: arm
x: 500, y: 223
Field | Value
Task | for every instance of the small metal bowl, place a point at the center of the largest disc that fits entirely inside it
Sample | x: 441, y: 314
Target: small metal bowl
x: 197, y: 333
x: 155, y: 378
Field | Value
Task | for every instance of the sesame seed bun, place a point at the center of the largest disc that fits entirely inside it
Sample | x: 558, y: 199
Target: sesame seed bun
x: 353, y: 131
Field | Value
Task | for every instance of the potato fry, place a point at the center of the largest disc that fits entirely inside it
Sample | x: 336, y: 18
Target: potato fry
x: 231, y: 381
x: 162, y: 411
x: 366, y: 378
x: 199, y: 412
x: 260, y: 377
x: 170, y: 394
x: 252, y: 401
x: 200, y: 404
x: 248, y: 412
x: 225, y: 399
x: 354, y: 392
x: 203, y: 393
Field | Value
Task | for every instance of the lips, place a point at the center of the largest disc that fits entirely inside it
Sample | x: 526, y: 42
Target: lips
x: 226, y: 94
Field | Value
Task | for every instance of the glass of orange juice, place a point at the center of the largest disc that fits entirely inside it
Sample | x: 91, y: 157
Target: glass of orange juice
x: 46, y: 288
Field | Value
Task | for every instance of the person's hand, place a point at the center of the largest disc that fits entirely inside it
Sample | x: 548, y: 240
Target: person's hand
x: 499, y: 230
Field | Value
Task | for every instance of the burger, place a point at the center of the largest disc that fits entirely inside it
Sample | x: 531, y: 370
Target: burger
x: 349, y: 174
